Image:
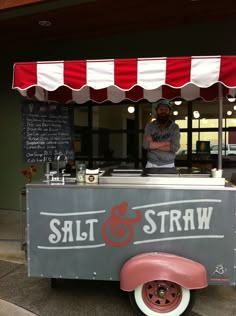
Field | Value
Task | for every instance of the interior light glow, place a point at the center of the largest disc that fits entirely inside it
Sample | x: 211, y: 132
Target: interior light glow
x: 196, y: 114
x: 175, y: 113
x: 177, y: 102
x: 229, y: 113
x: 230, y: 98
x: 131, y: 109
x: 45, y: 23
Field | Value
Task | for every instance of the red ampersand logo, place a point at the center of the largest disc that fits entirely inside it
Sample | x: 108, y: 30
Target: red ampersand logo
x: 120, y: 227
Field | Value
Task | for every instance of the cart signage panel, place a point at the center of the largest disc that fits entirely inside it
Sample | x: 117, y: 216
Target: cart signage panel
x: 117, y: 224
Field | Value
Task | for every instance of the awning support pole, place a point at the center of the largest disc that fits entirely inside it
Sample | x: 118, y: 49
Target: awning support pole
x: 220, y: 89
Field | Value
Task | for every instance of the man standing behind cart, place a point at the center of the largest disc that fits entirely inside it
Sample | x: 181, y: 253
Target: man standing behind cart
x: 161, y: 138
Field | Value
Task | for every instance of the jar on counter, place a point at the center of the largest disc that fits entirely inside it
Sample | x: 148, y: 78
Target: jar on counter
x: 80, y: 172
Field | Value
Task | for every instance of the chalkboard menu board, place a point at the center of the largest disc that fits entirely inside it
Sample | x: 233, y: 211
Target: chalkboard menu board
x: 46, y: 131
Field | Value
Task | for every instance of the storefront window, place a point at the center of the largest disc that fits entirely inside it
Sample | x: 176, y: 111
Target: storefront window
x: 114, y: 132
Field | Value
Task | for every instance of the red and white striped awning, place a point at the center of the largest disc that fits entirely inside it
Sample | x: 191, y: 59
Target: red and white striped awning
x: 135, y: 79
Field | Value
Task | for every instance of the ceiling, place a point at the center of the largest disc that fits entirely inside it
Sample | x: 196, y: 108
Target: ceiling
x: 84, y: 19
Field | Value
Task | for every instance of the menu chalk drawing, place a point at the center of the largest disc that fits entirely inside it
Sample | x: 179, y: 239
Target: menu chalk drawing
x: 46, y: 131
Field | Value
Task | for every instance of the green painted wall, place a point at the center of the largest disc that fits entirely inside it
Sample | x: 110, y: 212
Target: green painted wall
x: 10, y: 142
x: 205, y: 39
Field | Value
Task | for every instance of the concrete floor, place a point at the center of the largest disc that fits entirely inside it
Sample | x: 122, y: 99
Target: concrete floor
x: 12, y: 235
x: 94, y: 298
x: 12, y: 255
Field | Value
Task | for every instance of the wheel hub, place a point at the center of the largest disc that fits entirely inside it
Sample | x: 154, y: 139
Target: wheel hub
x: 161, y: 292
x: 162, y: 296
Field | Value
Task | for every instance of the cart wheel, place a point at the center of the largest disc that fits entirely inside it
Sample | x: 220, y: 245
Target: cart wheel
x: 162, y: 298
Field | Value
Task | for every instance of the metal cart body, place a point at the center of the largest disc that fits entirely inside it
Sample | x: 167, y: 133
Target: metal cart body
x: 90, y: 231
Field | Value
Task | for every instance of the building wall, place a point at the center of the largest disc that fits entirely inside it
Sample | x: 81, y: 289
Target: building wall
x: 205, y: 39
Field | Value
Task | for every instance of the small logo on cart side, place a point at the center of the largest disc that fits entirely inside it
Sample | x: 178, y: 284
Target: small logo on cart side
x: 120, y: 227
x: 225, y: 280
x: 220, y: 269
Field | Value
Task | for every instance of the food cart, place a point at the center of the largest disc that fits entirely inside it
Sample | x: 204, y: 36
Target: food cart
x: 161, y: 235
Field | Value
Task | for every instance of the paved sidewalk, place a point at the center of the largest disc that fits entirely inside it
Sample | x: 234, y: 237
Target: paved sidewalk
x: 93, y: 298
x: 9, y: 309
x: 12, y: 225
x: 12, y: 251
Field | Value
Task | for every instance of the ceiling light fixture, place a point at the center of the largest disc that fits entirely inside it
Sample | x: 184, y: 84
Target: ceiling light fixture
x: 131, y: 109
x: 177, y: 102
x: 45, y: 23
x: 175, y: 113
x: 229, y: 113
x: 196, y: 114
x: 230, y: 98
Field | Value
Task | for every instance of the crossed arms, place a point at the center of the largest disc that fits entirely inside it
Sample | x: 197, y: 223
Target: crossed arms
x: 163, y: 146
x: 170, y: 144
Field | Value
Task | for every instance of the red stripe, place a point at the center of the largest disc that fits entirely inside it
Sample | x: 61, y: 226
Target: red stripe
x: 228, y: 71
x: 31, y: 92
x: 135, y: 94
x: 170, y: 93
x: 209, y: 93
x: 212, y: 92
x: 125, y: 72
x: 25, y: 75
x: 98, y: 96
x: 61, y: 95
x: 178, y: 71
x: 75, y: 74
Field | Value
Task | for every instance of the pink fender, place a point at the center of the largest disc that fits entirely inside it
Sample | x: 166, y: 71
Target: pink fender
x: 147, y: 267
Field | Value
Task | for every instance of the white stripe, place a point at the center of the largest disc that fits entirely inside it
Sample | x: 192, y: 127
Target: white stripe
x: 178, y: 238
x: 152, y: 95
x: 151, y: 73
x: 115, y: 95
x: 232, y: 92
x: 50, y: 76
x: 190, y: 92
x: 23, y: 92
x: 100, y: 74
x: 71, y: 247
x: 205, y: 71
x: 40, y: 94
x: 177, y: 202
x: 81, y: 96
x: 71, y: 214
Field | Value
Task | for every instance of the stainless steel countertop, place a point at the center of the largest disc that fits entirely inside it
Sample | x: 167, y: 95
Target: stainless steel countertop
x: 165, y: 176
x: 76, y: 186
x: 147, y: 178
